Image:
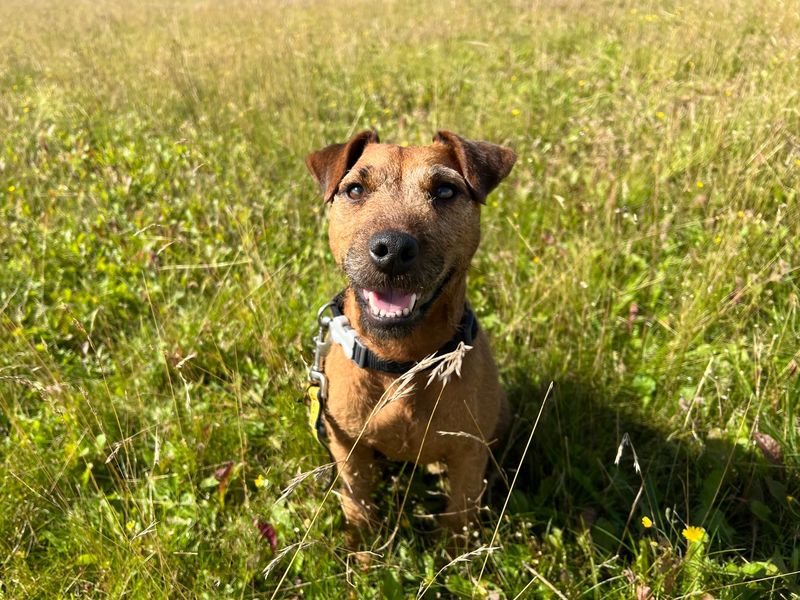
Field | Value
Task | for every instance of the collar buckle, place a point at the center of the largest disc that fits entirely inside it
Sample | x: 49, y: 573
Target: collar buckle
x: 360, y: 354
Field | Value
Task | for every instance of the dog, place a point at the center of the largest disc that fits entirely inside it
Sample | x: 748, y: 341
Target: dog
x: 404, y: 224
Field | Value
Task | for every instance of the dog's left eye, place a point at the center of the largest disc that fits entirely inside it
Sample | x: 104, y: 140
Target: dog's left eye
x: 444, y: 192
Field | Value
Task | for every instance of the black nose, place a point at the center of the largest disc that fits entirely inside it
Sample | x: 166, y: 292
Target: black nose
x: 393, y: 252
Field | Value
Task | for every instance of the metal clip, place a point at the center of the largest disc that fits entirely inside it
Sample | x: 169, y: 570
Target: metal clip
x: 316, y: 374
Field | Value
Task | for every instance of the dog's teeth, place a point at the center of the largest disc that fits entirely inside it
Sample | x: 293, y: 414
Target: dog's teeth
x: 375, y: 310
x: 412, y: 303
x: 382, y: 313
x: 406, y: 312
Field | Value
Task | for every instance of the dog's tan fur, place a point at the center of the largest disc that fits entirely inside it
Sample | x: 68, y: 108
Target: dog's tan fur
x: 398, y: 188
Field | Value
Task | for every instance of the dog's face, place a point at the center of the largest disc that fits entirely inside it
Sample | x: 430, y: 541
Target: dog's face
x: 405, y: 222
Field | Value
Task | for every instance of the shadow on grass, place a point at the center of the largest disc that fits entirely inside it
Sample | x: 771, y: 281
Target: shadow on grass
x: 568, y: 477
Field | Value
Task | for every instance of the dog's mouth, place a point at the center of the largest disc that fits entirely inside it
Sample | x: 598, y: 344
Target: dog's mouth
x: 389, y: 306
x: 390, y: 303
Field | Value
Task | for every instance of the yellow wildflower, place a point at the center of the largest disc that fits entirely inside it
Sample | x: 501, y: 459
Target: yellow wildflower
x: 797, y: 161
x: 700, y: 184
x: 694, y: 534
x: 646, y: 522
x: 515, y: 112
x: 661, y: 115
x: 11, y: 188
x: 260, y: 481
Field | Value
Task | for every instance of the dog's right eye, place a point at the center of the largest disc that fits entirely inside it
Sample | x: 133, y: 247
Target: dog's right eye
x: 354, y: 191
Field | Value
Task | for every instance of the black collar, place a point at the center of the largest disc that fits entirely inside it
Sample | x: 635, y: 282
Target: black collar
x: 365, y: 358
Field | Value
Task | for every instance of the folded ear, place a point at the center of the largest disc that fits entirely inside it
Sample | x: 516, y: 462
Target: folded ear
x: 482, y: 164
x: 329, y: 165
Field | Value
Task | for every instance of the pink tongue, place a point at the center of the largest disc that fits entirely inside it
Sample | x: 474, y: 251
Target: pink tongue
x: 390, y: 300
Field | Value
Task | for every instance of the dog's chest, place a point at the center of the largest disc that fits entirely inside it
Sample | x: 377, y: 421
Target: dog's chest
x: 398, y: 429
x: 366, y: 407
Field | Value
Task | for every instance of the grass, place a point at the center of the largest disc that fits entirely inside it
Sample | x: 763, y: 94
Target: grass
x: 164, y: 253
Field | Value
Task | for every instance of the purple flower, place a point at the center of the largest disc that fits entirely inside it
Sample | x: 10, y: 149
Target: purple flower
x: 267, y: 531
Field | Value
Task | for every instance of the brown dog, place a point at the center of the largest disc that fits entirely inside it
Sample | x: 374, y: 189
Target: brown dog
x: 404, y: 225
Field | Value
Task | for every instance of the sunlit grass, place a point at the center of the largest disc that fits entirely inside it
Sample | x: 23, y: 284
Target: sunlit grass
x: 164, y: 253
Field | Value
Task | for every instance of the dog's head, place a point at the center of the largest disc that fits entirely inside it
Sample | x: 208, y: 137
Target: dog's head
x: 405, y: 221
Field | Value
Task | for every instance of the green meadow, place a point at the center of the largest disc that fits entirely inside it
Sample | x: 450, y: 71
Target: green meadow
x: 164, y: 252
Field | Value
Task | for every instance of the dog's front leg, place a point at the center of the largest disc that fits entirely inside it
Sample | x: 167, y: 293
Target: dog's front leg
x: 356, y: 474
x: 465, y: 471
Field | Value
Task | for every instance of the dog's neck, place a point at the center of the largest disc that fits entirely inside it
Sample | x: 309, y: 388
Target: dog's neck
x: 436, y: 328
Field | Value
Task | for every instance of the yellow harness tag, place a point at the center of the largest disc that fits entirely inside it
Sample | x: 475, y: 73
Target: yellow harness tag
x: 315, y: 414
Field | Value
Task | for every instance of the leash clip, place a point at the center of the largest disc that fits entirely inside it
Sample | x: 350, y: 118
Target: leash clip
x: 316, y: 374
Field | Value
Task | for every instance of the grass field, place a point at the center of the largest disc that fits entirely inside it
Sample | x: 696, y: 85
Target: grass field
x: 164, y: 252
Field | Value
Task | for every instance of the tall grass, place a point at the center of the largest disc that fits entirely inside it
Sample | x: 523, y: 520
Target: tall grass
x: 164, y: 253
